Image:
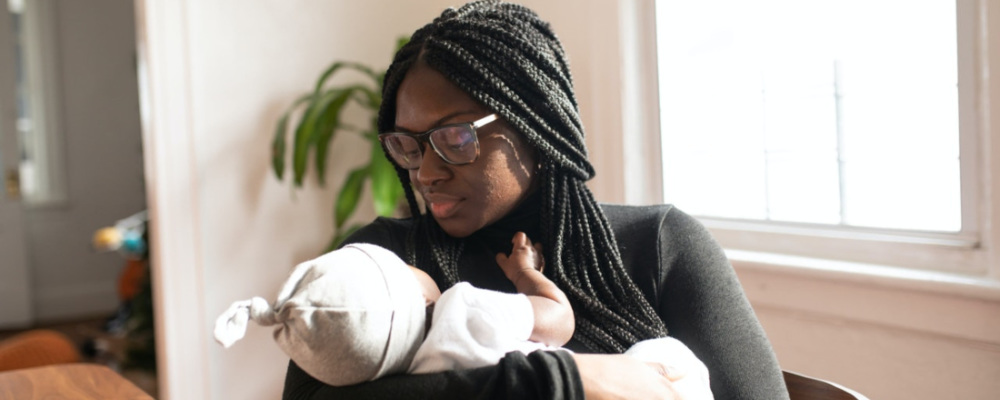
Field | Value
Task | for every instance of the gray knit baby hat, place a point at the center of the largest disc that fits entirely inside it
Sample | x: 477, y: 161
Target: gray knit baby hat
x: 352, y: 315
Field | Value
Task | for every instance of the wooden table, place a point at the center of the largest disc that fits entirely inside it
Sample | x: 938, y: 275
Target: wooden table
x: 67, y: 381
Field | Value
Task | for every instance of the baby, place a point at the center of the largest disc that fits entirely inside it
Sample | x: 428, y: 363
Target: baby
x: 474, y: 327
x: 360, y: 313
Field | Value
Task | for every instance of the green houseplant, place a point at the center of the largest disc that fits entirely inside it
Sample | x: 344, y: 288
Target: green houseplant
x: 319, y: 123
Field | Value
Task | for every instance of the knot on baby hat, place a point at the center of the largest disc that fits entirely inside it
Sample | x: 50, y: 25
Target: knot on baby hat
x: 349, y: 316
x: 232, y: 324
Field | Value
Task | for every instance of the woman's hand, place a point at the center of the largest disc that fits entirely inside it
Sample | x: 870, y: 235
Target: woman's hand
x: 617, y: 376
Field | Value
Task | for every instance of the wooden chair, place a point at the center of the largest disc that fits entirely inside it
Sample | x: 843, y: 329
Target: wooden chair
x: 36, y: 348
x: 801, y: 387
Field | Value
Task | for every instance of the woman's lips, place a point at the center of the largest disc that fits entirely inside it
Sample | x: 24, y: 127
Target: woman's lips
x: 443, y: 209
x: 442, y: 205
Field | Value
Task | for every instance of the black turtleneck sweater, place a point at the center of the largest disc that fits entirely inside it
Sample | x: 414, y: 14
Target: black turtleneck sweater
x: 678, y: 267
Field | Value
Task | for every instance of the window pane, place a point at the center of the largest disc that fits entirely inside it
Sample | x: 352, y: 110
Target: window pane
x: 904, y: 194
x: 735, y: 188
x: 802, y: 187
x: 832, y: 112
x: 27, y: 168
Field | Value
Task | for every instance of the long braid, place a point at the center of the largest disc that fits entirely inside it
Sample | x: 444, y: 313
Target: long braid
x: 509, y: 60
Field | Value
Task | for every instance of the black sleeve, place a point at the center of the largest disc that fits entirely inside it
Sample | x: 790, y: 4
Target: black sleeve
x: 704, y: 306
x: 539, y: 375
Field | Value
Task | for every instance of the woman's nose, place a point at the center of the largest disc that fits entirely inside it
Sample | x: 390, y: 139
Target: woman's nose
x: 432, y: 168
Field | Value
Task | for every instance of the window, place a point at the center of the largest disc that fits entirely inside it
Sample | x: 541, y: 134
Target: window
x: 41, y: 173
x: 837, y: 129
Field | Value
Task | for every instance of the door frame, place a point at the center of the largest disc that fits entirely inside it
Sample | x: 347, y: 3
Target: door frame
x: 182, y: 336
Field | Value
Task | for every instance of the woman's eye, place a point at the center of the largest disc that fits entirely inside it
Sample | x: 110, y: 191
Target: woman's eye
x: 459, y: 142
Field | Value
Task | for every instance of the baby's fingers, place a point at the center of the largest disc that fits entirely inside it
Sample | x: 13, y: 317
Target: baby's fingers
x: 520, y: 239
x: 667, y: 371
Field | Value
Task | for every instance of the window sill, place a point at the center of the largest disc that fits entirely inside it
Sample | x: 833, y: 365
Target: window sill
x: 936, y: 303
x: 941, y: 283
x: 859, y: 249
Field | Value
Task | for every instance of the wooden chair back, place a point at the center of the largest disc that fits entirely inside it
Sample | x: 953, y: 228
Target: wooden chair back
x: 802, y: 387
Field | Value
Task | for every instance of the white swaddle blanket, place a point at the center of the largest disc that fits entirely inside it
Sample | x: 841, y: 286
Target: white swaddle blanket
x: 671, y: 353
x: 474, y: 327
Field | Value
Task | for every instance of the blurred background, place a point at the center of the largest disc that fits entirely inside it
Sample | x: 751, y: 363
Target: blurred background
x: 72, y: 160
x: 842, y: 153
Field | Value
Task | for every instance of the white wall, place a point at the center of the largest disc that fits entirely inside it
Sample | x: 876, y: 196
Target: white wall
x: 244, y: 71
x: 99, y: 103
x: 219, y: 73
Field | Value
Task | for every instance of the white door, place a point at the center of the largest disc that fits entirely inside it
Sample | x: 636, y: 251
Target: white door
x: 15, y: 288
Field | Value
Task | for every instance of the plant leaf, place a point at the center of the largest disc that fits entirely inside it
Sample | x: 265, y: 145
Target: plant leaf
x: 306, y: 134
x: 386, y: 189
x: 347, y: 200
x: 363, y: 69
x: 279, y: 142
x: 326, y: 127
x: 326, y: 75
x: 278, y: 147
x: 373, y: 99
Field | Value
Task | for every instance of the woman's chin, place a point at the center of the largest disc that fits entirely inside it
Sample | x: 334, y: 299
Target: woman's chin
x: 457, y: 234
x: 455, y: 228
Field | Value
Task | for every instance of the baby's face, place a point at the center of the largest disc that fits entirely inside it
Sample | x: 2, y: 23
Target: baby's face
x: 427, y: 285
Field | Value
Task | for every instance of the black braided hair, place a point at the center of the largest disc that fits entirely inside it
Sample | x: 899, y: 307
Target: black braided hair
x: 508, y: 59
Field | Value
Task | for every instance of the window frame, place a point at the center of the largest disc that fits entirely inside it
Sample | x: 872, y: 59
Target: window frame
x: 969, y: 252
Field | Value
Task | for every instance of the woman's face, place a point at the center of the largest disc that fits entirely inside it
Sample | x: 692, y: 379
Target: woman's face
x: 463, y: 198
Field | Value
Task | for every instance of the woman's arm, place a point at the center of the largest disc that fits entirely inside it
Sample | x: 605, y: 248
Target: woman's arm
x: 539, y: 375
x: 703, y: 305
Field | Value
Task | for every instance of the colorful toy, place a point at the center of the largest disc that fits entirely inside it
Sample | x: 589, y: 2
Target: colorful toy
x: 125, y: 237
x: 134, y: 318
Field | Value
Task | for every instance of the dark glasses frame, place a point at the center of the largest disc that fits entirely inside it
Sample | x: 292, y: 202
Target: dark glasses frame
x: 423, y: 138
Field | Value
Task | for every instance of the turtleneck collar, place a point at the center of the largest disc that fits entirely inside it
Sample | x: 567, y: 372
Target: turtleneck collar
x: 526, y: 217
x: 478, y: 261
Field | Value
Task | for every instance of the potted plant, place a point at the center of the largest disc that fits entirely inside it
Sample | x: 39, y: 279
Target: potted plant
x: 318, y: 126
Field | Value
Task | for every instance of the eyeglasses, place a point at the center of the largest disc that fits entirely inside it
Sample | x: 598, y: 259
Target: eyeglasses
x: 456, y: 144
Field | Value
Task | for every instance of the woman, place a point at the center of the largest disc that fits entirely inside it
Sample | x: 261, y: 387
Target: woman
x: 479, y: 116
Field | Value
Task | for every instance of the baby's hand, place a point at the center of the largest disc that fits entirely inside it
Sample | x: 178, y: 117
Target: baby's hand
x: 523, y: 257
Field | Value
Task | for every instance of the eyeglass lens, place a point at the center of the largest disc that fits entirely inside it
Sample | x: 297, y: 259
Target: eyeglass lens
x: 455, y: 144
